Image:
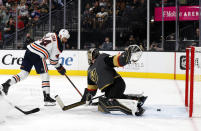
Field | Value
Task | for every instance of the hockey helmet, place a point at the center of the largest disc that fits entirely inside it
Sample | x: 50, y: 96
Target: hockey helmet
x: 92, y: 53
x: 63, y: 33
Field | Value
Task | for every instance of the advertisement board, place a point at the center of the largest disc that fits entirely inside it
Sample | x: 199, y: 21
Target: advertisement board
x: 185, y: 13
x: 150, y: 65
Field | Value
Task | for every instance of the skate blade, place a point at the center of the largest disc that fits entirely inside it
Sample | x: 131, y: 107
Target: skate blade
x: 50, y: 104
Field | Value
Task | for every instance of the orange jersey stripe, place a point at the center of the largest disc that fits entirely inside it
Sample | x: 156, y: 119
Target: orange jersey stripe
x: 57, y: 43
x: 46, y: 84
x: 17, y: 78
x: 45, y: 65
x: 46, y: 54
x: 52, y: 62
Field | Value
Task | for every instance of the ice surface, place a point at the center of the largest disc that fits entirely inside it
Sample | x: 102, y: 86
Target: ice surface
x: 167, y: 95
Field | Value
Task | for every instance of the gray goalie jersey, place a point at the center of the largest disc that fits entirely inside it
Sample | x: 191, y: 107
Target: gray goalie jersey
x: 101, y: 74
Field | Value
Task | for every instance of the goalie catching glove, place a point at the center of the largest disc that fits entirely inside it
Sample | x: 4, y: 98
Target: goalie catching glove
x: 125, y: 57
x: 61, y: 70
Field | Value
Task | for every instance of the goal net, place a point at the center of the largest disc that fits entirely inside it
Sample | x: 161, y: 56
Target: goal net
x: 193, y: 81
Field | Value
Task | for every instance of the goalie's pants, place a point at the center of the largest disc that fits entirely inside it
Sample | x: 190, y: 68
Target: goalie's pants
x: 116, y: 90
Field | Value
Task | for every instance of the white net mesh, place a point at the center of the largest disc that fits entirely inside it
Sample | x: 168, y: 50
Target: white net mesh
x: 197, y: 84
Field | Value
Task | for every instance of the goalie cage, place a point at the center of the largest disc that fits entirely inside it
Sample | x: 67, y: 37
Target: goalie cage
x: 193, y: 81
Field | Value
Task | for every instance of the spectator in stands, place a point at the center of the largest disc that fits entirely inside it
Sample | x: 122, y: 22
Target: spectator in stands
x: 10, y: 28
x: 96, y: 7
x: 131, y: 41
x: 103, y: 3
x: 67, y: 46
x: 35, y: 14
x: 28, y: 3
x: 60, y: 2
x: 197, y: 35
x: 4, y: 14
x: 170, y: 43
x: 22, y: 9
x: 120, y: 8
x: 89, y: 21
x: 107, y: 45
x: 27, y: 41
x: 44, y: 8
x: 101, y: 18
x: 1, y: 43
x: 20, y: 24
x: 155, y: 47
x: 23, y: 12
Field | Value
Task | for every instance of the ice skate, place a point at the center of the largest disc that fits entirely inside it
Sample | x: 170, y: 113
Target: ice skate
x: 140, y: 111
x: 141, y: 101
x: 5, y: 86
x: 48, y: 100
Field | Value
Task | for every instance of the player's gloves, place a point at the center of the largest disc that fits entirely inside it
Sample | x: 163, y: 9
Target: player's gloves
x: 61, y: 70
x: 125, y: 57
x: 88, y: 95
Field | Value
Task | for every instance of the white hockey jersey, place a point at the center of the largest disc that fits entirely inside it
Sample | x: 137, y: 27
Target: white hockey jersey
x: 49, y: 47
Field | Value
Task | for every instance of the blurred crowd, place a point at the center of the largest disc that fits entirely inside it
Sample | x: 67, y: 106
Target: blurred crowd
x: 28, y: 13
x: 97, y: 22
x: 97, y: 16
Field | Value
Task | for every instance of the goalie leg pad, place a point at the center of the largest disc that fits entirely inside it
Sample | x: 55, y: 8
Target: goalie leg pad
x: 107, y: 105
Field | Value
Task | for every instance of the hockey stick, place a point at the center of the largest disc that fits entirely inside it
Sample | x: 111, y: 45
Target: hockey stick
x: 76, y: 104
x: 16, y: 107
x: 73, y: 85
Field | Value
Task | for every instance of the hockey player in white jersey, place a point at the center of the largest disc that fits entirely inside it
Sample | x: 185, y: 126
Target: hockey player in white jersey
x: 49, y: 47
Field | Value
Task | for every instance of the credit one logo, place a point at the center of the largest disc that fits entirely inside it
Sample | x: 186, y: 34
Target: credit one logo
x: 66, y: 61
x: 9, y: 59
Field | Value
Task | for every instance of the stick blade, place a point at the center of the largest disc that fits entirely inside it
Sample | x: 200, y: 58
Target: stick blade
x: 33, y: 111
x: 74, y: 105
x: 28, y: 112
x: 59, y: 101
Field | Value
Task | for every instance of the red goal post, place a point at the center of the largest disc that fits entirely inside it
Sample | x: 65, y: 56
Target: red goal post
x: 193, y: 81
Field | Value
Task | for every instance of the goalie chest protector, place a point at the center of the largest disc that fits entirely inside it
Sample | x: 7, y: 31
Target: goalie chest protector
x: 102, y: 74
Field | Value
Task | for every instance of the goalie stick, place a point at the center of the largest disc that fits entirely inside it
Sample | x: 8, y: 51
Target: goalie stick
x: 16, y: 107
x: 76, y: 104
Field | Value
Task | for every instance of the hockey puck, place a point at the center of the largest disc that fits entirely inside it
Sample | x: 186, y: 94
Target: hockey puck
x: 158, y: 109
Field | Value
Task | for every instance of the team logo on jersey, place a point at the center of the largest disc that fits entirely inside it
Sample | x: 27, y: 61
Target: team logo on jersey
x: 94, y: 76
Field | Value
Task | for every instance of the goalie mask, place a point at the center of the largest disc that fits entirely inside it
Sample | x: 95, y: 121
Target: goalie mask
x: 93, y: 53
